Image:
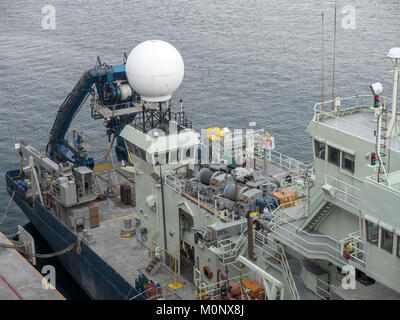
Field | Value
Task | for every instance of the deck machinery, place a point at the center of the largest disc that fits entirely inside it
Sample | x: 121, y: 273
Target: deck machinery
x: 234, y: 218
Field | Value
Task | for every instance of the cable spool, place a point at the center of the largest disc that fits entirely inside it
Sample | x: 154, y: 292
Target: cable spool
x: 207, y: 272
x: 220, y: 179
x: 204, y: 176
x: 126, y: 91
x: 229, y: 191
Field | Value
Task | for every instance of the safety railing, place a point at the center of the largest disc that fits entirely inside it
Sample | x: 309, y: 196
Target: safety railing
x: 348, y: 106
x: 310, y: 244
x: 280, y: 216
x: 173, y: 182
x: 281, y: 257
x: 316, y: 201
x: 322, y: 288
x: 229, y: 250
x: 353, y: 247
x: 281, y: 160
x: 351, y: 194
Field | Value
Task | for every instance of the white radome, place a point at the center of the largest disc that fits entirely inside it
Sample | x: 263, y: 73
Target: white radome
x: 154, y: 70
x: 394, y: 53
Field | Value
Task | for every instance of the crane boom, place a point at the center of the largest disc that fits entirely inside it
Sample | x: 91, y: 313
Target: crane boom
x: 106, y: 80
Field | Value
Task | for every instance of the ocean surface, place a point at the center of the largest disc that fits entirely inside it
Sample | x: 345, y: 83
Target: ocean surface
x: 245, y: 61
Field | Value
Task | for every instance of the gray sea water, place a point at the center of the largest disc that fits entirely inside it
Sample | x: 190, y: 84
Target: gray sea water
x: 245, y: 61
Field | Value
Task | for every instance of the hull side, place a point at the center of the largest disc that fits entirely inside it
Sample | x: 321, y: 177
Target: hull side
x: 95, y: 276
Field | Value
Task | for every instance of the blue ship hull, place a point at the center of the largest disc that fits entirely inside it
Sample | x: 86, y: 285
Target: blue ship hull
x: 97, y: 278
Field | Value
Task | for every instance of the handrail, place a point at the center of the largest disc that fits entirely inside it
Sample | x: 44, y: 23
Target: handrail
x: 275, y: 214
x: 281, y: 160
x: 315, y: 252
x: 346, y: 190
x: 320, y: 288
x: 309, y: 234
x: 298, y: 231
x: 316, y: 202
x: 232, y: 252
x: 337, y: 114
x: 287, y: 273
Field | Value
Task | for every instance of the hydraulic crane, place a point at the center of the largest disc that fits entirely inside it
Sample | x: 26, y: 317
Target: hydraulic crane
x: 111, y: 92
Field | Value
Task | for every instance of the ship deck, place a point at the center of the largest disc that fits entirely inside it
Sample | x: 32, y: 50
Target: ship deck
x: 361, y: 123
x: 129, y: 256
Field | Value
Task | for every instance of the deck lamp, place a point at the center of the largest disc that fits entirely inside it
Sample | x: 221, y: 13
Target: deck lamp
x: 376, y: 88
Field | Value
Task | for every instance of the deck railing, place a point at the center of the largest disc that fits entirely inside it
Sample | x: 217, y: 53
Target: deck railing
x: 351, y: 105
x: 281, y: 257
x: 357, y: 245
x: 311, y: 244
x: 349, y: 192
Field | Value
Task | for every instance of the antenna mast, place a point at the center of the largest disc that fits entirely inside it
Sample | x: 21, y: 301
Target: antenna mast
x: 322, y: 93
x: 334, y: 63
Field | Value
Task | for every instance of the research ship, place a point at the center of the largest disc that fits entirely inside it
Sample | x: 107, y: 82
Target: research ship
x: 171, y: 213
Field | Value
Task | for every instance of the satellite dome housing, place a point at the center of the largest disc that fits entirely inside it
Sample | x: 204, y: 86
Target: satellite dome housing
x: 155, y: 70
x: 394, y: 53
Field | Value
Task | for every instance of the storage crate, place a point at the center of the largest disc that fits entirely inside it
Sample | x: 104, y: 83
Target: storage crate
x: 286, y: 198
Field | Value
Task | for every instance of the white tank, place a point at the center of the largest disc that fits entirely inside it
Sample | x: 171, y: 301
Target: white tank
x: 154, y: 70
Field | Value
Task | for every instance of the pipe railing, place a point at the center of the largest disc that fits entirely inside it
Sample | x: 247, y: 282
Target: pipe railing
x: 287, y: 273
x: 337, y: 115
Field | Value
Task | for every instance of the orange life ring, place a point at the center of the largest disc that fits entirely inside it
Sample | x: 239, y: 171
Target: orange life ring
x: 207, y: 272
x: 345, y: 253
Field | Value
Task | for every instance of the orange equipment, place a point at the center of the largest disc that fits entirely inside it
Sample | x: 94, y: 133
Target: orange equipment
x: 286, y: 198
x: 256, y: 291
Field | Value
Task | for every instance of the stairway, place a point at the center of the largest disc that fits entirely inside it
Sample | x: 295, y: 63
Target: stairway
x: 311, y: 224
x: 152, y: 267
x: 276, y: 250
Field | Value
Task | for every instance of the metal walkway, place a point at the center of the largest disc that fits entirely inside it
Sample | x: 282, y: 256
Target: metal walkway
x: 310, y: 245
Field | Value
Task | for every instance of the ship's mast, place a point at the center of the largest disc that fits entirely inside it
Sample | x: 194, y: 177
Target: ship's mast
x: 394, y: 55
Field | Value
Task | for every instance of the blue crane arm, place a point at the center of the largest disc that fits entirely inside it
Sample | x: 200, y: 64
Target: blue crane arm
x: 57, y: 148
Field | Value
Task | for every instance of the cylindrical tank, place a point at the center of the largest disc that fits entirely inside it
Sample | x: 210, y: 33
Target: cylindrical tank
x: 204, y: 176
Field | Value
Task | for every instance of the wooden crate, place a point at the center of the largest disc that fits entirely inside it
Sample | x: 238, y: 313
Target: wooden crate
x: 94, y: 216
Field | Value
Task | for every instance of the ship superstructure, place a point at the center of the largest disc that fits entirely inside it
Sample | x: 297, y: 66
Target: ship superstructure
x: 216, y: 214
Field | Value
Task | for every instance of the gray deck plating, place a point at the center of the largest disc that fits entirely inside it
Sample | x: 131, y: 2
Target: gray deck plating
x: 360, y: 124
x: 129, y: 256
x: 19, y: 280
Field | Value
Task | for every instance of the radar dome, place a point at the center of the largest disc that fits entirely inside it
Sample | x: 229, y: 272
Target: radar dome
x: 154, y: 70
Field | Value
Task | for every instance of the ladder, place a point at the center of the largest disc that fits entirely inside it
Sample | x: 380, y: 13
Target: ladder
x: 383, y: 137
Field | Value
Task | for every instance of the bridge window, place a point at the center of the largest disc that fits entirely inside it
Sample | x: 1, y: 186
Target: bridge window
x: 372, y: 232
x: 319, y: 149
x: 334, y: 155
x: 348, y: 161
x: 387, y: 240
